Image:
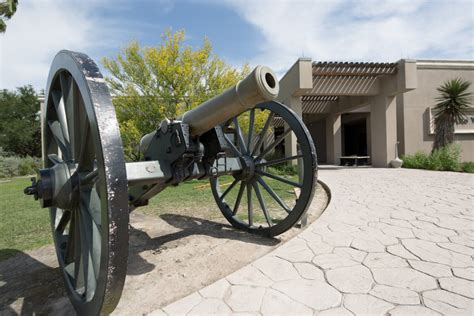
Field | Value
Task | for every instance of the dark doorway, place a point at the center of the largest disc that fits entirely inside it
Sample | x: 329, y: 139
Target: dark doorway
x: 354, y: 138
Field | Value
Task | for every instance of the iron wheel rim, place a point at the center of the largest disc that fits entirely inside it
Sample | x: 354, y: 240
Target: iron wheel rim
x: 307, y: 185
x: 79, y: 107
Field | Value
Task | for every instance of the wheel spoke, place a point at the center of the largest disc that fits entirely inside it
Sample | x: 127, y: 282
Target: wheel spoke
x: 61, y: 112
x: 63, y: 221
x: 67, y: 90
x: 274, y: 195
x: 58, y: 135
x: 229, y: 188
x: 277, y: 161
x: 79, y: 120
x: 264, y: 173
x: 90, y: 203
x: 54, y: 159
x: 90, y: 177
x: 262, y: 204
x: 249, y: 204
x: 250, y: 134
x: 87, y: 246
x: 239, y: 198
x: 91, y: 208
x: 273, y: 145
x: 262, y: 133
x: 70, y: 247
x: 240, y: 136
x: 78, y: 262
x: 232, y: 146
x: 85, y: 159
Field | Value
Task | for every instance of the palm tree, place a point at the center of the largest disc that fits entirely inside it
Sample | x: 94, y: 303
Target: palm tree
x: 452, y: 107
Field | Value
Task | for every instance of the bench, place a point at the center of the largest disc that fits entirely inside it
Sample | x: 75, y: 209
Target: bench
x: 346, y: 160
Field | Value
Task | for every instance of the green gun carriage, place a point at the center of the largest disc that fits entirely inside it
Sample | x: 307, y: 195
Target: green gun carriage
x: 90, y: 189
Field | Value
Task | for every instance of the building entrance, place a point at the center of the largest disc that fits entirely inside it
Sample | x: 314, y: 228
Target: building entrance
x: 354, y: 136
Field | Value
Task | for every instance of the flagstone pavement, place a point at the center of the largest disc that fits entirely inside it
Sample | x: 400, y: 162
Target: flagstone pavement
x: 392, y: 241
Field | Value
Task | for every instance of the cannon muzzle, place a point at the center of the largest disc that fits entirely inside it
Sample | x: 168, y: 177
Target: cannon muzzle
x: 259, y: 86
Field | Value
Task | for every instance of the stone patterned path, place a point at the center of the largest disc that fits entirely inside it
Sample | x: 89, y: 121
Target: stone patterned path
x: 397, y: 242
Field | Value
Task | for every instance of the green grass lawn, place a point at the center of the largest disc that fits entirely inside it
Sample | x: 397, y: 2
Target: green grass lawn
x: 194, y: 198
x: 24, y: 225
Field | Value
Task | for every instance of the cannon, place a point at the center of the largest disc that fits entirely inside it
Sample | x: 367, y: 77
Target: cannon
x: 232, y: 139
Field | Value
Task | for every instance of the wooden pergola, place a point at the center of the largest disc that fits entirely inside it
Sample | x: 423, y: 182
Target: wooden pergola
x: 332, y: 80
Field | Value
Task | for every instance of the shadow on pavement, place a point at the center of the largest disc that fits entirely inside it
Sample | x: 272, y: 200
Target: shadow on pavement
x: 141, y: 241
x: 37, y: 289
x: 39, y: 286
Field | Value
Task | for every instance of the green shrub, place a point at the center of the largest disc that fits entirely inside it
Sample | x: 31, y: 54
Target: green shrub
x: 468, y: 167
x: 29, y: 165
x: 13, y: 166
x: 9, y: 166
x: 416, y: 161
x: 444, y: 159
x: 284, y: 169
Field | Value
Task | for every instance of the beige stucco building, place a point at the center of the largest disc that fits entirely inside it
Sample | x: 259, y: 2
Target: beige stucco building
x: 364, y: 109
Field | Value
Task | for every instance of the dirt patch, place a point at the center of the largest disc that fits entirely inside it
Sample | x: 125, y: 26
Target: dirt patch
x: 170, y: 256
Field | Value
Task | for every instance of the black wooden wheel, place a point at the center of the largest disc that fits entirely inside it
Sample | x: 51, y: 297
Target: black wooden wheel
x: 81, y: 141
x: 272, y: 192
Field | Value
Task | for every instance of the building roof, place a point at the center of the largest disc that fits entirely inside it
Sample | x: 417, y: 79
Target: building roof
x: 317, y: 103
x: 332, y: 68
x: 332, y: 79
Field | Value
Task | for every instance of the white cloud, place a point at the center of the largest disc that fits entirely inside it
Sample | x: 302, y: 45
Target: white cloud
x: 361, y: 30
x: 358, y: 30
x: 41, y: 28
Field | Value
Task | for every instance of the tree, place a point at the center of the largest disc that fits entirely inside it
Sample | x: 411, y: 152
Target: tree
x: 151, y: 83
x: 20, y: 122
x: 453, y: 104
x: 7, y: 9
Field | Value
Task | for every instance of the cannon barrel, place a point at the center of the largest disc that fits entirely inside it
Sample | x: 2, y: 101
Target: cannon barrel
x: 259, y: 86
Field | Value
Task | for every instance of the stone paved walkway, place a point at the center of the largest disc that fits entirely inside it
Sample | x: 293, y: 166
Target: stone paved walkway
x: 398, y: 242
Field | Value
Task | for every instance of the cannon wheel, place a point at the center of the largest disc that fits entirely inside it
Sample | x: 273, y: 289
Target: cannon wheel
x: 274, y: 202
x: 80, y: 130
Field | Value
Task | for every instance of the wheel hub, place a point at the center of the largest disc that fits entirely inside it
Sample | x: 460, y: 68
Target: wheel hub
x: 248, y: 167
x: 54, y: 186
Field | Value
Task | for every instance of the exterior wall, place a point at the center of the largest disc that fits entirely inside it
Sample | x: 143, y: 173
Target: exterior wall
x: 413, y: 106
x: 399, y: 111
x: 333, y: 139
x: 295, y: 83
x: 383, y: 130
x: 400, y: 124
x: 317, y: 130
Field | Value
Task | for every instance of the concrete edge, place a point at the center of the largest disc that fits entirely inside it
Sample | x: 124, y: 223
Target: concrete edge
x: 328, y: 192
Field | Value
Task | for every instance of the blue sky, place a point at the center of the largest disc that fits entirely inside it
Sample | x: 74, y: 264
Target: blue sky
x: 270, y: 32
x: 230, y: 35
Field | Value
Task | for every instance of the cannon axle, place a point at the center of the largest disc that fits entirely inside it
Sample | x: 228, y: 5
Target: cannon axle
x: 32, y: 189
